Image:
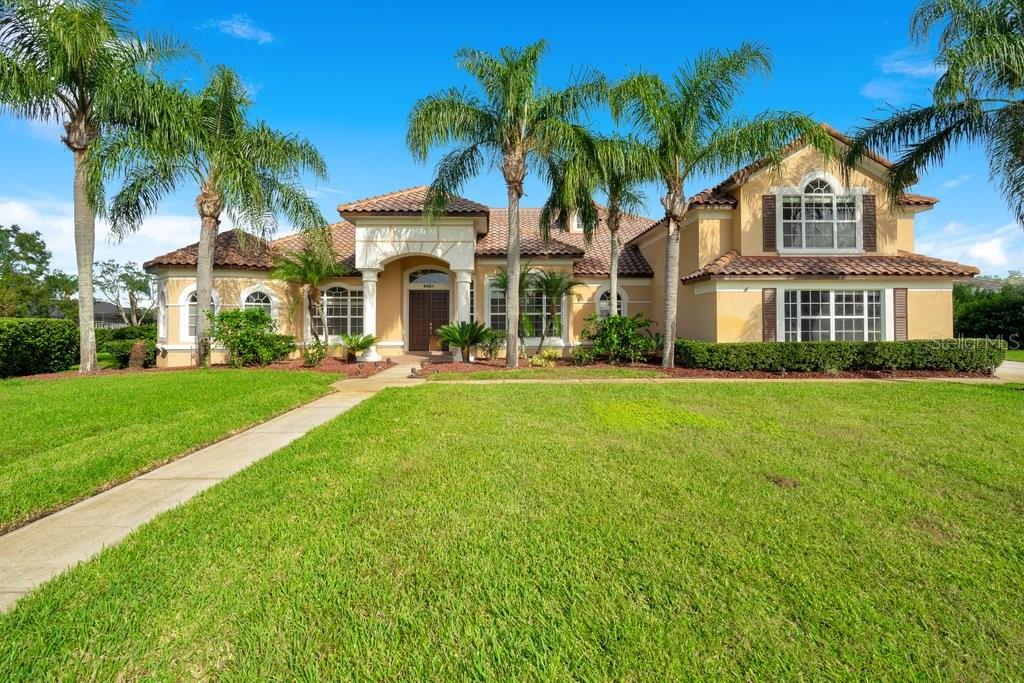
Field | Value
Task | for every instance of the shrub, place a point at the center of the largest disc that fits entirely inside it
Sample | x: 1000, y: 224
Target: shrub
x: 314, y: 354
x: 493, y: 343
x: 248, y: 335
x: 583, y: 355
x: 463, y: 335
x: 545, y: 359
x: 999, y: 314
x: 960, y: 355
x: 357, y: 343
x: 621, y: 338
x: 121, y: 351
x: 29, y: 346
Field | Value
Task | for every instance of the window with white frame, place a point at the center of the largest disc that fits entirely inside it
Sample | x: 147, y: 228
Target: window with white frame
x: 496, y: 306
x: 472, y: 300
x: 840, y: 315
x: 604, y: 304
x: 193, y: 312
x: 533, y: 308
x: 342, y: 310
x: 259, y: 300
x: 819, y: 219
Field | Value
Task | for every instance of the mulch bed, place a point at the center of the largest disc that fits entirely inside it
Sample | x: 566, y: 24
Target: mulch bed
x: 429, y: 368
x: 355, y: 370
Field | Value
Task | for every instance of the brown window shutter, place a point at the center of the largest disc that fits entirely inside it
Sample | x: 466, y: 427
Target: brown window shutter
x: 870, y: 220
x: 768, y: 222
x: 899, y: 305
x: 768, y: 315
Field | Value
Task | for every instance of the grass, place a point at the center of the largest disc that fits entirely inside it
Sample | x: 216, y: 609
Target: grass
x: 64, y: 439
x: 773, y: 531
x: 104, y: 361
x: 562, y: 372
x: 1015, y: 354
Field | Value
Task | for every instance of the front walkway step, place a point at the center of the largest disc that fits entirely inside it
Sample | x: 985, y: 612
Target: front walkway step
x: 43, y: 549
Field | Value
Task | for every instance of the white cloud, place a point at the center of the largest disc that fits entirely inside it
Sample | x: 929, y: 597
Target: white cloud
x: 55, y: 220
x: 993, y: 250
x: 321, y: 192
x: 955, y: 182
x: 242, y: 26
x: 905, y: 75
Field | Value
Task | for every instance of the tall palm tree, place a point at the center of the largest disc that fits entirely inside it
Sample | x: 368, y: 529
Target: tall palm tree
x: 75, y: 62
x: 691, y: 125
x: 513, y: 125
x: 251, y: 171
x: 614, y: 166
x: 555, y: 286
x: 309, y: 268
x: 978, y: 100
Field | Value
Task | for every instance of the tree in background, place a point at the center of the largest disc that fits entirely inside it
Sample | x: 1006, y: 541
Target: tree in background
x: 691, y: 125
x: 977, y: 100
x: 128, y: 287
x: 75, y: 62
x: 28, y: 288
x: 614, y: 166
x: 516, y: 123
x: 250, y: 171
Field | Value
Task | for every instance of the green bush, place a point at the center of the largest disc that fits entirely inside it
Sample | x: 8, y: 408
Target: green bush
x: 121, y: 351
x: 583, y: 355
x: 314, y: 354
x: 621, y: 338
x: 545, y: 359
x: 493, y: 343
x: 29, y: 346
x: 356, y: 344
x: 248, y: 335
x: 979, y: 313
x: 105, y: 335
x: 960, y: 355
x: 464, y: 335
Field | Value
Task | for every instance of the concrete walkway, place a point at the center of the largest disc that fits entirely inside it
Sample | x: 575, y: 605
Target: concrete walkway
x: 1011, y: 371
x: 38, y: 551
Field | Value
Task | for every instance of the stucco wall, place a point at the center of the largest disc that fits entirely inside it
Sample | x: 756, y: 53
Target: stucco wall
x: 696, y: 317
x: 929, y: 314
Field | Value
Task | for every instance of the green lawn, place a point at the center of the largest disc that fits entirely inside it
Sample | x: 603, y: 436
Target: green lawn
x: 772, y: 531
x: 104, y: 361
x: 561, y: 372
x: 1017, y: 355
x: 64, y: 439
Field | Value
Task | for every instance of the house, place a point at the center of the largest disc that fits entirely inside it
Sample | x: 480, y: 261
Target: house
x: 805, y: 252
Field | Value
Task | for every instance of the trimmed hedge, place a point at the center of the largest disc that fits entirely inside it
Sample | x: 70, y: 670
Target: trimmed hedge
x: 105, y: 335
x: 29, y: 346
x: 959, y: 355
x: 121, y: 350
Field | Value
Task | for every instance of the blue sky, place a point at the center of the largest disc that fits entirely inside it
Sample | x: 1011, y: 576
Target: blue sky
x: 346, y: 74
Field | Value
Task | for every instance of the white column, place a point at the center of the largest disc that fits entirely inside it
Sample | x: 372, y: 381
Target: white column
x: 370, y: 310
x: 462, y: 280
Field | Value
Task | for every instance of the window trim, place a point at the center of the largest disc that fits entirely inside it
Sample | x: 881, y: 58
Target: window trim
x: 183, y: 306
x: 246, y: 293
x: 838, y: 191
x: 332, y: 338
x: 887, y: 306
x: 604, y: 289
x: 557, y: 342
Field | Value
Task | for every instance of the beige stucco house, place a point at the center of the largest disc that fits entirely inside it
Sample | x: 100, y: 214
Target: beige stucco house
x: 802, y: 253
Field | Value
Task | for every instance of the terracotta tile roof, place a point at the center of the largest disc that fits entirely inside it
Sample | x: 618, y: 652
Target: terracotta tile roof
x: 903, y: 264
x: 236, y: 250
x: 590, y: 260
x: 717, y: 196
x: 409, y: 202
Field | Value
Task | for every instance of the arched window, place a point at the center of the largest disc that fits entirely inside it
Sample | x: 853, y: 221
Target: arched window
x: 343, y: 311
x: 604, y: 303
x: 193, y: 311
x: 429, y: 276
x: 259, y: 300
x: 819, y: 218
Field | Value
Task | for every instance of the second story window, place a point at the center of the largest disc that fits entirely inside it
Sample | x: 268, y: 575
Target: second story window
x: 819, y: 219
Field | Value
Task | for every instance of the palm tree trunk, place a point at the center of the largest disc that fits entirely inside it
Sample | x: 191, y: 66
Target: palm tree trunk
x: 315, y: 317
x: 613, y: 277
x: 512, y: 294
x: 671, y: 294
x: 204, y: 287
x: 85, y: 251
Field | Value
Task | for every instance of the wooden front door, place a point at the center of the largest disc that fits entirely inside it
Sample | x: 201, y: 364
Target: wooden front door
x: 428, y: 310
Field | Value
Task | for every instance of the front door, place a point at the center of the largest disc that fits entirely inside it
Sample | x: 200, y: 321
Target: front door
x: 428, y: 310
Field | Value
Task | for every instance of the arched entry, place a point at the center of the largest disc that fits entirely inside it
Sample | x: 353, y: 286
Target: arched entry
x: 429, y: 299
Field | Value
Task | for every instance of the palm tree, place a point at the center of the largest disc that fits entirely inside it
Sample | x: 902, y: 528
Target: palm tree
x: 515, y: 124
x: 465, y: 335
x: 251, y: 171
x: 691, y: 126
x: 614, y: 166
x: 310, y: 267
x: 523, y: 285
x: 76, y: 63
x: 554, y: 286
x: 978, y: 99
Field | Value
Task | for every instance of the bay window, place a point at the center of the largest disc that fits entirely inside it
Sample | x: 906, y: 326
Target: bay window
x: 837, y: 315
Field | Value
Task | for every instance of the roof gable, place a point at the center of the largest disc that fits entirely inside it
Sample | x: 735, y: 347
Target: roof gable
x: 409, y: 202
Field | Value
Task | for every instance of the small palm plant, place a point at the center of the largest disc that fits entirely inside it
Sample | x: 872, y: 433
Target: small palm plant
x: 310, y: 267
x: 554, y: 286
x: 524, y: 283
x: 465, y: 335
x: 356, y: 344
